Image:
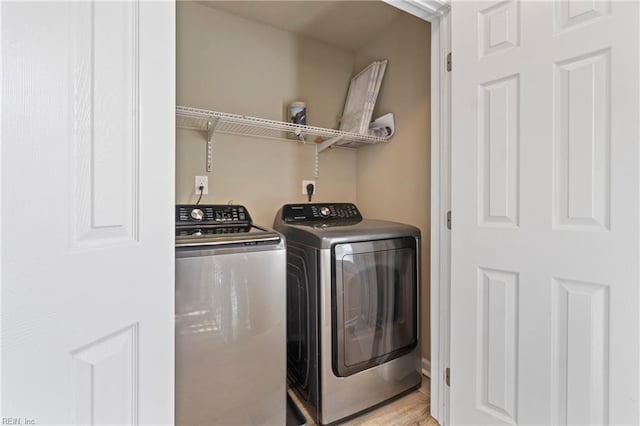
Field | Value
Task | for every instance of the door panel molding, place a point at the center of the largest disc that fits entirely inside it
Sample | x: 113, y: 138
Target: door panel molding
x: 497, y: 334
x: 580, y: 352
x: 499, y: 28
x: 582, y: 140
x: 572, y: 14
x: 105, y: 123
x: 106, y: 379
x: 499, y: 152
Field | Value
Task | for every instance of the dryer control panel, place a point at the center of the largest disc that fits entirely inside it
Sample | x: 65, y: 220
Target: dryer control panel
x: 211, y: 214
x: 326, y: 212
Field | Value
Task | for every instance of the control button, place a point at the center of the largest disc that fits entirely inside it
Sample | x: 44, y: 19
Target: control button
x: 324, y: 211
x: 197, y: 214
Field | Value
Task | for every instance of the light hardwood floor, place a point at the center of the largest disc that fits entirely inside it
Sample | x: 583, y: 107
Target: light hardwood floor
x: 411, y: 409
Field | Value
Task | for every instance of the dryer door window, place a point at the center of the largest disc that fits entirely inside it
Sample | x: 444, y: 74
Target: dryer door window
x: 375, y: 303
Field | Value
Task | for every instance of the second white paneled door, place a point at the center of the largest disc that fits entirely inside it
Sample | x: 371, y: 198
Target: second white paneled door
x: 545, y: 184
x: 88, y: 106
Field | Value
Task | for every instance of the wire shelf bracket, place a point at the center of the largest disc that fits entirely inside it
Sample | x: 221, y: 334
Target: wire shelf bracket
x: 329, y: 143
x: 210, y: 130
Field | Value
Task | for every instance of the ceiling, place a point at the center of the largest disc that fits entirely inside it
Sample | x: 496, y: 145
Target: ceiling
x: 345, y: 24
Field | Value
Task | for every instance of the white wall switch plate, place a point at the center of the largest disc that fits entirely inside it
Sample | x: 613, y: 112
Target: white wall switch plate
x: 202, y: 181
x: 304, y: 186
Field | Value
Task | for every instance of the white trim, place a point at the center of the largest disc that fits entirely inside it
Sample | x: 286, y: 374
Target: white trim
x: 440, y: 204
x: 2, y: 206
x: 441, y: 305
x: 429, y: 10
x: 436, y: 218
x: 426, y: 367
x: 437, y: 12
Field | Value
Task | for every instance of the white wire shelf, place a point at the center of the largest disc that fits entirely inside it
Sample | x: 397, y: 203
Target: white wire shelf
x: 213, y: 121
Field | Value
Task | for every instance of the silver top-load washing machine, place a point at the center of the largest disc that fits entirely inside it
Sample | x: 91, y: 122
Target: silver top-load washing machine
x: 230, y: 319
x: 352, y: 308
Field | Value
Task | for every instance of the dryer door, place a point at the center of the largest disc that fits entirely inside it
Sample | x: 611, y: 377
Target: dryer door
x: 375, y: 299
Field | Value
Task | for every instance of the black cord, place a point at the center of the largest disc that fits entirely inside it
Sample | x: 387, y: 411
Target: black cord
x: 310, y: 189
x: 200, y: 197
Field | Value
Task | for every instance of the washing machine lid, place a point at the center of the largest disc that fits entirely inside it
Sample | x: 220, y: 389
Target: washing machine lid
x: 342, y: 222
x: 214, y: 236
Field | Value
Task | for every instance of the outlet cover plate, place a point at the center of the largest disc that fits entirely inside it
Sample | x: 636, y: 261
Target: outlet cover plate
x: 304, y: 186
x: 204, y: 181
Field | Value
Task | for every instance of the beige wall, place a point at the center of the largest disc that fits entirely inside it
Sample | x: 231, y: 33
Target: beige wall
x: 393, y: 180
x: 230, y: 64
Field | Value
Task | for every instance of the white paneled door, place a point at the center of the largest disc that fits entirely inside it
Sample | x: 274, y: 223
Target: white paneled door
x: 545, y: 240
x: 87, y: 166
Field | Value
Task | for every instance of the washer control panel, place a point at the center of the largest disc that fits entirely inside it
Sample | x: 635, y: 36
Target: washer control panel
x: 326, y: 212
x: 211, y: 214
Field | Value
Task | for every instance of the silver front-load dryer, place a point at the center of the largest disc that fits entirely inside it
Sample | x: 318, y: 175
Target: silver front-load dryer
x: 352, y: 308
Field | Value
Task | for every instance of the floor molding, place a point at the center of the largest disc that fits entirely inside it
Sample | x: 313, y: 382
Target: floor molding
x: 426, y: 367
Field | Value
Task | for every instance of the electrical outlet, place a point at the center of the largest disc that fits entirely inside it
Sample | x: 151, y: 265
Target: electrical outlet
x: 202, y: 181
x: 307, y: 182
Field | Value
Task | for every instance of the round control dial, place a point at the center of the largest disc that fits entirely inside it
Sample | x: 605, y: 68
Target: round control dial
x: 197, y: 214
x: 324, y: 211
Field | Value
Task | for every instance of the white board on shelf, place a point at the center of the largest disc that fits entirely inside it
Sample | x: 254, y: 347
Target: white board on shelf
x: 361, y: 98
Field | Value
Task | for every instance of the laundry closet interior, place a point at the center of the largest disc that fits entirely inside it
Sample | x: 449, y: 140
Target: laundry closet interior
x: 254, y: 58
